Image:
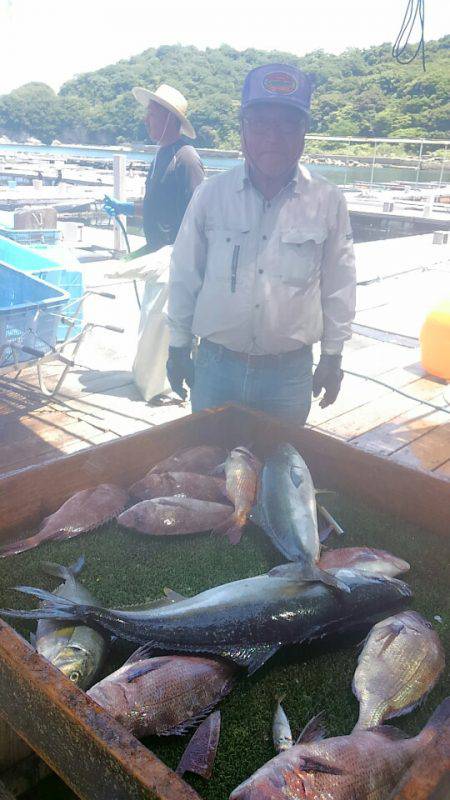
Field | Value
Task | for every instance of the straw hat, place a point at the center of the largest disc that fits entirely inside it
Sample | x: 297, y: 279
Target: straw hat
x: 169, y: 98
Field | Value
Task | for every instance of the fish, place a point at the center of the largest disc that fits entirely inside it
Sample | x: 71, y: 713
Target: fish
x: 200, y: 754
x: 367, y: 559
x: 400, y: 663
x: 281, y: 729
x: 188, y: 484
x: 286, y: 511
x: 245, y: 621
x: 428, y: 777
x: 202, y: 459
x: 366, y: 765
x: 82, y: 512
x: 242, y: 469
x: 76, y: 650
x: 174, y: 516
x: 163, y: 695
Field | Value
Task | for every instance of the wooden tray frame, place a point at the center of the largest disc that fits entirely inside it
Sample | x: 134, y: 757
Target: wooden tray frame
x: 91, y: 752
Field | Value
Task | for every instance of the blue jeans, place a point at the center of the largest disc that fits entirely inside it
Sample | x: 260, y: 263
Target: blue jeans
x: 282, y: 387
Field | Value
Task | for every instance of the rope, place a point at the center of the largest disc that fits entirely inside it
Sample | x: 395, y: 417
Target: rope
x: 399, y: 391
x: 413, y: 9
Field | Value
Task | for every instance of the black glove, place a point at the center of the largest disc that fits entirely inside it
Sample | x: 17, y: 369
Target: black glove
x: 179, y: 368
x: 328, y: 375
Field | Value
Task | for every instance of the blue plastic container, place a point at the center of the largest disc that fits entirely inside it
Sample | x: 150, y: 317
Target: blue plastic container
x: 46, y: 263
x: 29, y: 309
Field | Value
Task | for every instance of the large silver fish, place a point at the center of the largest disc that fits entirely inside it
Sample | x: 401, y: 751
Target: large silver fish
x: 77, y: 650
x: 366, y: 765
x: 286, y: 510
x: 247, y: 620
x: 400, y: 663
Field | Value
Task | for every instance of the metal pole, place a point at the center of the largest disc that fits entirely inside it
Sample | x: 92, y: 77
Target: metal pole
x: 373, y: 163
x: 119, y: 174
x: 419, y: 163
x: 444, y: 160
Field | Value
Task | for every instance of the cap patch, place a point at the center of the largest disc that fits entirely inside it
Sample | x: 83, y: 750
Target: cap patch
x: 280, y: 83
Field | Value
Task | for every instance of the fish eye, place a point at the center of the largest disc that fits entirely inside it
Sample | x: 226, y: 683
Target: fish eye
x: 74, y: 676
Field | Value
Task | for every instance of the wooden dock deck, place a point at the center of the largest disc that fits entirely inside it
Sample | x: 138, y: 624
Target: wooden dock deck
x: 99, y: 400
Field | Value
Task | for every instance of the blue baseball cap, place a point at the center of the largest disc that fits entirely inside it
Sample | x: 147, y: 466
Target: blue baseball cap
x: 277, y: 83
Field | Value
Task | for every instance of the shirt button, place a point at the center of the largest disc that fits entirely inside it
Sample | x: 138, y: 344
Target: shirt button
x: 264, y: 237
x: 257, y: 305
x: 260, y: 271
x: 228, y: 239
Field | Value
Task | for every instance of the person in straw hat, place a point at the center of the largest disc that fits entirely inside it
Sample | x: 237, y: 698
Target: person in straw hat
x: 175, y: 172
x: 172, y: 178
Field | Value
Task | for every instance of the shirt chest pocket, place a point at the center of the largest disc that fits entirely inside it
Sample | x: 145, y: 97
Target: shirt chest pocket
x: 301, y: 255
x: 225, y: 256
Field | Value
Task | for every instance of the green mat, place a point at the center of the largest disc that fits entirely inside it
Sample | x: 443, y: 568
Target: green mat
x: 123, y: 568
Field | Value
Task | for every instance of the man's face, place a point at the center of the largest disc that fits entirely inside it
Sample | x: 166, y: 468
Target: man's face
x: 273, y: 138
x: 157, y: 120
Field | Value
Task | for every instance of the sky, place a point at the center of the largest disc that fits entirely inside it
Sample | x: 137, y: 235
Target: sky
x: 53, y: 40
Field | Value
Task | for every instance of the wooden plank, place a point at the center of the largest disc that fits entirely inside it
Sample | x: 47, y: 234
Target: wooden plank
x: 37, y: 455
x: 427, y: 452
x: 443, y: 469
x: 91, y: 752
x: 356, y: 392
x: 399, y: 431
x: 12, y: 747
x: 370, y: 415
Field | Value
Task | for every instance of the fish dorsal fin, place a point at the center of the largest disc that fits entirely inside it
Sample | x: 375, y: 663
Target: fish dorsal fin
x: 296, y: 476
x: 200, y: 753
x: 144, y: 669
x: 313, y: 731
x: 389, y: 732
x: 174, y: 597
x: 145, y: 651
x: 392, y: 631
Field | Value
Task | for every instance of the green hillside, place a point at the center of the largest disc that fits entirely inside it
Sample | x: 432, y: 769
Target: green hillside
x: 358, y: 93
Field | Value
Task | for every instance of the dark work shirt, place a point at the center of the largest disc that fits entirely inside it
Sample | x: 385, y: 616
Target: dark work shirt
x: 171, y: 180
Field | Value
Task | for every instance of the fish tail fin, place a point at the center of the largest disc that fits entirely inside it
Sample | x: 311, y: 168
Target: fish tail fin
x: 55, y: 607
x: 231, y: 528
x: 439, y: 719
x: 60, y: 571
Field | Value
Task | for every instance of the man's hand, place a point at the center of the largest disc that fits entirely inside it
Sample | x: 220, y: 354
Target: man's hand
x: 180, y: 368
x: 328, y: 375
x: 115, y: 207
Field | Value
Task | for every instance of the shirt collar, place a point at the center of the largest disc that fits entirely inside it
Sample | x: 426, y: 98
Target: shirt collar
x: 302, y: 175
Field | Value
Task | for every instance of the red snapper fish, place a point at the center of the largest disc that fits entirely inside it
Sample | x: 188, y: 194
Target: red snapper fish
x: 174, y: 516
x: 82, y: 512
x: 203, y: 459
x: 366, y: 559
x: 366, y: 765
x: 165, y: 695
x: 189, y: 484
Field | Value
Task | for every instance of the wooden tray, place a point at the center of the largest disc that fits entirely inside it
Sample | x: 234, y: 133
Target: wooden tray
x: 91, y: 752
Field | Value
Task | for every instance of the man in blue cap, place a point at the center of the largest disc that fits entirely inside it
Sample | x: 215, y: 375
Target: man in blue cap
x: 263, y: 267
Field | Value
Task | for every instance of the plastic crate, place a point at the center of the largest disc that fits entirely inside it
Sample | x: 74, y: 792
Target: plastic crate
x: 48, y: 267
x: 29, y: 309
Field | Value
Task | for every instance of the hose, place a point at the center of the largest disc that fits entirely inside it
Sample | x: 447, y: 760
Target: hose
x: 399, y: 391
x: 127, y: 243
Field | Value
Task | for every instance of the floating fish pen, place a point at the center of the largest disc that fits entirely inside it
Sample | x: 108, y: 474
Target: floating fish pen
x: 378, y: 502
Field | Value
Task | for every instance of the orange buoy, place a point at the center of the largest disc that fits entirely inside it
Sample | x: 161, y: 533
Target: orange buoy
x: 435, y: 341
